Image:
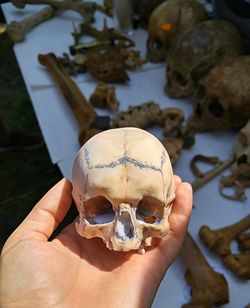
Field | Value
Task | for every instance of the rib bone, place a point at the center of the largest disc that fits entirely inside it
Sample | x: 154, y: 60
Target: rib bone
x: 82, y: 110
x: 18, y: 29
x: 239, y: 264
x: 219, y: 240
x: 208, y: 287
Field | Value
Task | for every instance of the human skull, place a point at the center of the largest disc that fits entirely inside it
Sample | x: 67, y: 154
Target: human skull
x: 196, y: 51
x: 242, y: 145
x: 167, y: 21
x: 222, y: 98
x: 123, y: 188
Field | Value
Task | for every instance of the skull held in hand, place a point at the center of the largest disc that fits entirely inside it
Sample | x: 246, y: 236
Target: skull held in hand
x: 222, y: 98
x: 123, y: 188
x: 196, y: 52
x: 167, y: 21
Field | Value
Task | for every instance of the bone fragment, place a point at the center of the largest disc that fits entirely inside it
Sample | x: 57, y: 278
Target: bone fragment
x: 141, y: 116
x: 18, y: 29
x: 244, y: 241
x: 104, y: 96
x: 85, y: 9
x: 219, y: 240
x: 214, y: 160
x: 82, y: 110
x: 239, y: 264
x: 208, y: 176
x: 208, y: 287
x: 239, y: 180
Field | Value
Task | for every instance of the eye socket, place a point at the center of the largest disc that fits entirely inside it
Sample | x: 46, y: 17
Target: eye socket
x: 216, y: 109
x: 242, y: 159
x: 181, y: 80
x: 198, y: 111
x: 99, y: 210
x: 150, y: 210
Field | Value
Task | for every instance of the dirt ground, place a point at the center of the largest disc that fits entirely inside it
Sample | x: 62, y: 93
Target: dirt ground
x: 25, y: 175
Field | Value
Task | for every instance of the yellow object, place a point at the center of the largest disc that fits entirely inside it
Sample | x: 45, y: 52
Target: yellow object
x: 3, y: 28
x: 167, y: 26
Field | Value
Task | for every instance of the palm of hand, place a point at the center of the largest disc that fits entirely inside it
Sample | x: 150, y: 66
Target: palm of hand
x: 70, y: 271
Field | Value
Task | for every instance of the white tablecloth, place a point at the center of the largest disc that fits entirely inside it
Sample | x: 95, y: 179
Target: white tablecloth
x: 60, y: 132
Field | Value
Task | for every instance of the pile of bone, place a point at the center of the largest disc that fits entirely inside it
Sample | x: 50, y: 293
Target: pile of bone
x: 219, y: 241
x: 205, y: 60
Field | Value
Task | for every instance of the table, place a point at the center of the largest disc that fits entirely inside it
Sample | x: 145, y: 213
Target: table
x: 60, y: 132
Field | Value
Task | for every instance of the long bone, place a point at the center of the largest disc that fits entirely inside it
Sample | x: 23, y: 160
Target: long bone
x: 239, y: 264
x: 85, y: 9
x: 244, y: 241
x: 203, y: 178
x: 82, y: 110
x: 17, y: 30
x: 219, y: 240
x: 208, y: 287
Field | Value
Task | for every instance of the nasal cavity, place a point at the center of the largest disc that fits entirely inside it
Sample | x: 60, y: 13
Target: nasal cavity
x: 124, y: 227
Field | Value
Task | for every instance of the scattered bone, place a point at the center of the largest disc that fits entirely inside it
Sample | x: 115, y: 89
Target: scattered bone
x: 214, y: 160
x: 102, y: 38
x: 240, y: 177
x: 85, y: 9
x: 208, y: 287
x: 219, y: 240
x: 208, y: 176
x: 141, y: 116
x: 82, y: 110
x: 104, y: 96
x: 239, y: 264
x: 176, y: 135
x: 17, y: 30
x: 132, y: 58
x: 174, y: 146
x: 73, y: 66
x: 244, y: 241
x: 107, y: 66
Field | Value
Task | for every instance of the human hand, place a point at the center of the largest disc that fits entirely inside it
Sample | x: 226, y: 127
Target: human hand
x: 71, y: 271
